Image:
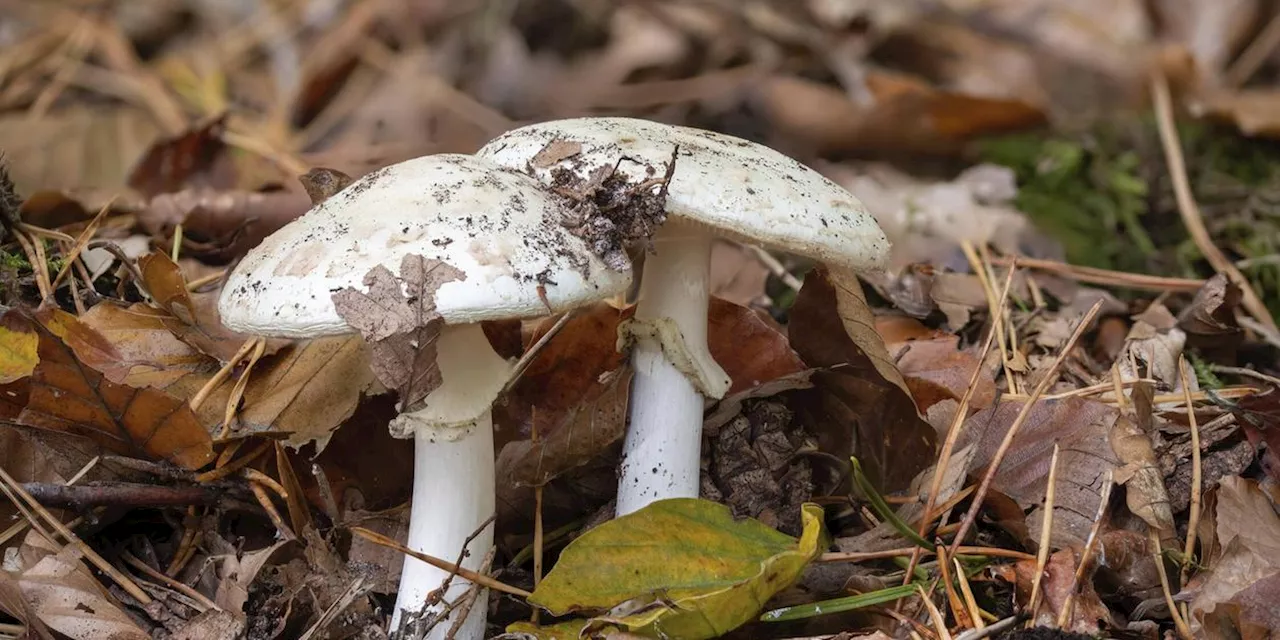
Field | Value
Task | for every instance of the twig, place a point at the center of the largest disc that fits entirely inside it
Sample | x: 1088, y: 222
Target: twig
x: 958, y: 610
x: 1241, y: 371
x: 865, y: 556
x: 1197, y: 477
x: 85, y: 236
x: 176, y: 585
x: 939, y: 623
x: 443, y: 565
x: 187, y: 545
x: 1003, y: 450
x: 975, y: 613
x: 35, y: 512
x: 1046, y: 533
x: 119, y: 494
x: 1158, y: 558
x: 234, y: 466
x: 1268, y: 334
x: 339, y: 605
x: 774, y: 266
x: 265, y: 480
x: 995, y: 312
x: 273, y: 514
x: 990, y: 630
x: 1249, y: 60
x: 237, y: 392
x: 1094, y: 275
x: 203, y: 280
x: 1086, y: 554
x: 1190, y: 211
x: 527, y: 358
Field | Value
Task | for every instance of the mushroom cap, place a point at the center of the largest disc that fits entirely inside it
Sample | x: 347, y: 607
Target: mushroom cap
x: 744, y: 190
x: 496, y: 225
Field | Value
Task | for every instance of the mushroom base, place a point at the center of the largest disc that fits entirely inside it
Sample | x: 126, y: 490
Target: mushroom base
x: 453, y: 495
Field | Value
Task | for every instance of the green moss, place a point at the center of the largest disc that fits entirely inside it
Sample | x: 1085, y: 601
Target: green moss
x: 15, y: 261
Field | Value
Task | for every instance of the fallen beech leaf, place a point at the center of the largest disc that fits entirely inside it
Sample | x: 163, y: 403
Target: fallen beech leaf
x: 681, y: 567
x: 145, y: 353
x: 1080, y: 427
x: 401, y: 328
x: 65, y: 595
x: 321, y: 183
x: 1125, y: 566
x: 860, y: 404
x: 18, y: 349
x: 69, y: 396
x: 747, y: 346
x: 591, y: 426
x: 13, y: 604
x: 193, y: 317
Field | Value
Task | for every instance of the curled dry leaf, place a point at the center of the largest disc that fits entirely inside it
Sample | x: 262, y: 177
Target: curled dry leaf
x: 1140, y: 474
x: 68, y: 395
x: 860, y: 404
x: 1210, y: 320
x: 66, y: 596
x: 1080, y: 427
x: 401, y: 327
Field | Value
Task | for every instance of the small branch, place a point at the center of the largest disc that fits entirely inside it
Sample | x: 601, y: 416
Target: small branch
x: 120, y: 494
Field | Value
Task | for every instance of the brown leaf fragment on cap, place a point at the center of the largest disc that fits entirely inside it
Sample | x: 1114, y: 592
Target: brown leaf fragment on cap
x: 321, y: 183
x: 556, y: 151
x: 401, y: 329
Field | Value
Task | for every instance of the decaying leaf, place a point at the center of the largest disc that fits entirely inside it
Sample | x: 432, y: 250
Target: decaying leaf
x: 1059, y: 575
x: 69, y: 396
x: 65, y: 595
x: 1152, y: 351
x: 197, y: 157
x: 585, y: 430
x: 1080, y: 427
x: 1144, y: 482
x: 860, y: 404
x: 1238, y: 593
x: 936, y: 370
x: 1210, y: 320
x: 681, y: 567
x: 401, y: 328
x: 747, y: 346
x: 226, y: 223
x: 18, y: 348
x: 145, y: 351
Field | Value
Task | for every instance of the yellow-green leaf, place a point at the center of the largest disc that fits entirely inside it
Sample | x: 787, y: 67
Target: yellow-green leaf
x: 19, y: 349
x: 684, y: 568
x: 568, y: 630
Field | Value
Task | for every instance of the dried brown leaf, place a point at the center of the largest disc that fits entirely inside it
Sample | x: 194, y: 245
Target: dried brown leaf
x: 748, y: 346
x: 145, y: 353
x: 226, y: 223
x: 585, y: 430
x: 1059, y: 575
x: 401, y: 328
x: 65, y: 595
x: 1080, y: 427
x: 1140, y: 474
x: 69, y: 396
x: 15, y: 605
x: 936, y: 370
x: 193, y: 317
x: 1210, y: 320
x: 197, y: 157
x: 860, y: 404
x: 1240, y: 589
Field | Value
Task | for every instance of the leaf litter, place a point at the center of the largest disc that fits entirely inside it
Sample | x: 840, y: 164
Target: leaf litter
x: 196, y: 145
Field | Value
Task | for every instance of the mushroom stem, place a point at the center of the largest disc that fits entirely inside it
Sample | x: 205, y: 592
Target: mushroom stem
x: 663, y: 446
x: 453, y: 477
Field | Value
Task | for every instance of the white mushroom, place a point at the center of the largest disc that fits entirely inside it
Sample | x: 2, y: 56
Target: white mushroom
x: 722, y: 186
x: 501, y: 230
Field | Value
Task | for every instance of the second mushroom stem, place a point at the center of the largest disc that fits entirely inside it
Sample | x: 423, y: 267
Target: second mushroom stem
x: 663, y: 445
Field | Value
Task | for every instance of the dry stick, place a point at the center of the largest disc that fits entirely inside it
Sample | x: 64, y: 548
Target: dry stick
x: 222, y: 374
x: 237, y: 392
x: 1046, y: 532
x: 176, y: 585
x: 975, y: 612
x: 273, y: 514
x: 339, y: 605
x: 19, y: 496
x: 865, y: 556
x: 1001, y: 452
x: 1254, y: 55
x: 203, y: 280
x: 82, y: 241
x: 1086, y: 555
x: 1094, y: 275
x: 1189, y: 210
x: 1158, y: 557
x: 939, y: 623
x: 188, y: 540
x: 37, y: 268
x: 234, y: 466
x: 996, y: 313
x: 1008, y: 330
x: 527, y: 359
x: 958, y: 610
x: 1250, y: 373
x: 265, y: 480
x: 957, y: 422
x: 1197, y: 478
x: 443, y: 565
